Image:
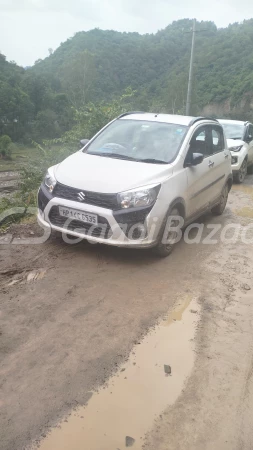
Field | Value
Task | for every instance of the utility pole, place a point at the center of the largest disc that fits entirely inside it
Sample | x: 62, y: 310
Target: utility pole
x: 189, y: 92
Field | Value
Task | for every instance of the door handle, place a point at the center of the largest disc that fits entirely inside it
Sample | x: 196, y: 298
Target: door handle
x: 210, y: 164
x: 226, y: 155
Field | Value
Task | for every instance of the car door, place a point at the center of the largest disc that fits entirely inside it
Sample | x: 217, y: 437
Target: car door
x: 250, y: 142
x: 219, y: 155
x: 201, y: 191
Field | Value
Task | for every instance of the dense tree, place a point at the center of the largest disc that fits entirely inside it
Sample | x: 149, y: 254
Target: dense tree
x: 16, y: 108
x: 78, y: 77
x: 47, y: 120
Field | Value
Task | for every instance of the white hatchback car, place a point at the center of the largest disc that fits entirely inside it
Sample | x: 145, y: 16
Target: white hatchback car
x: 139, y: 173
x: 240, y: 143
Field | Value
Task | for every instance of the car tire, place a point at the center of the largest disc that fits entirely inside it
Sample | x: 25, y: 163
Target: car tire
x: 219, y: 209
x: 164, y: 249
x: 250, y: 169
x: 240, y: 176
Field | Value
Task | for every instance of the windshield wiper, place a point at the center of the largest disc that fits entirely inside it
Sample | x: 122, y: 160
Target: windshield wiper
x: 114, y: 155
x: 152, y: 161
x: 235, y: 138
x: 129, y: 158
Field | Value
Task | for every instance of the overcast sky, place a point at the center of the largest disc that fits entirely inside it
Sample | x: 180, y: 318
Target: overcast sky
x: 28, y: 28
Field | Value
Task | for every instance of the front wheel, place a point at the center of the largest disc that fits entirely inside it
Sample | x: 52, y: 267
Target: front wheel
x: 240, y: 176
x: 169, y: 234
x: 219, y: 209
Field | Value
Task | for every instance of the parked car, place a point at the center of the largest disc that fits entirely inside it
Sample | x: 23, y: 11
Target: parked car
x: 240, y: 143
x: 135, y: 175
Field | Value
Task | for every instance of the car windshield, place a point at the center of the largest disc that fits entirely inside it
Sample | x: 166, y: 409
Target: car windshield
x: 139, y: 140
x: 233, y: 130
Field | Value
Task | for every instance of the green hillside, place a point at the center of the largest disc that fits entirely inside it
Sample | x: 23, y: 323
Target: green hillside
x: 97, y: 66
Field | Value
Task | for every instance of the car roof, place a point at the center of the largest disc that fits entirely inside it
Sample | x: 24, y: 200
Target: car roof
x: 167, y: 118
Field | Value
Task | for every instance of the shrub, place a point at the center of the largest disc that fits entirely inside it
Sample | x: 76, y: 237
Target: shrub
x: 5, y: 146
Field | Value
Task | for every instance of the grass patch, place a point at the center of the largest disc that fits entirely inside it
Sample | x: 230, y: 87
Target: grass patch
x: 21, y: 156
x: 32, y: 164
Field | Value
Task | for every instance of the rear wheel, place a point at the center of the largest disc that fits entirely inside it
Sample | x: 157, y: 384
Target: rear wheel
x: 240, y: 176
x: 219, y: 209
x: 168, y: 237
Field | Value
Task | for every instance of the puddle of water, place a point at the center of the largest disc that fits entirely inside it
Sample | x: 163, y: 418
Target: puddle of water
x: 245, y: 212
x: 243, y: 188
x: 177, y: 313
x: 138, y: 393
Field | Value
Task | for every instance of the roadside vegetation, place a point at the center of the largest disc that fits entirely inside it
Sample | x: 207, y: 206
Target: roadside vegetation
x: 32, y: 162
x: 20, y: 155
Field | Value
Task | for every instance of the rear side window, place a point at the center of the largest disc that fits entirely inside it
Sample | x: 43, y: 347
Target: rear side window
x: 217, y: 140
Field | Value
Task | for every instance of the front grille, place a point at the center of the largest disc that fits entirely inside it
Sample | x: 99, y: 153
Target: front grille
x: 102, y: 230
x: 108, y: 201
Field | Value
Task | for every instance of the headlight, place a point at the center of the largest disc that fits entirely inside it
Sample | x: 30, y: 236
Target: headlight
x: 237, y: 148
x: 49, y: 181
x: 138, y: 198
x: 234, y: 160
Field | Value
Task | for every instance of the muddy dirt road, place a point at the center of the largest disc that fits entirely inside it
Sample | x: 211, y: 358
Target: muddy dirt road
x: 74, y: 323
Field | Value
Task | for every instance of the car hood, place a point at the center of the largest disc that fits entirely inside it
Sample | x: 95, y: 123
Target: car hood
x: 234, y: 143
x: 108, y: 175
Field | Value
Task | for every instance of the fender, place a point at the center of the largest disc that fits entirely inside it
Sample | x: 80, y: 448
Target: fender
x: 179, y: 201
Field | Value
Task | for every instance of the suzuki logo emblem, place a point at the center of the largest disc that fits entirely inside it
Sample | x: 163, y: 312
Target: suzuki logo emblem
x: 81, y: 196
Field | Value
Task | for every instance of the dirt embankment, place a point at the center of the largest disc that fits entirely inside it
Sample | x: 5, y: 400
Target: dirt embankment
x: 226, y: 108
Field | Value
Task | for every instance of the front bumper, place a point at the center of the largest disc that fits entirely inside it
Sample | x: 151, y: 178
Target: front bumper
x: 119, y: 228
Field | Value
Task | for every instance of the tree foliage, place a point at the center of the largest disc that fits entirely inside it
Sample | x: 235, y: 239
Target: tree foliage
x: 91, y: 118
x: 77, y: 79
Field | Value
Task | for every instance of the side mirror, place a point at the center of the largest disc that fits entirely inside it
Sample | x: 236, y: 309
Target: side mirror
x: 195, y: 160
x: 83, y: 142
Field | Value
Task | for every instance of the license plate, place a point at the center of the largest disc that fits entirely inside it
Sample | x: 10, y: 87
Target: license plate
x: 75, y: 214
